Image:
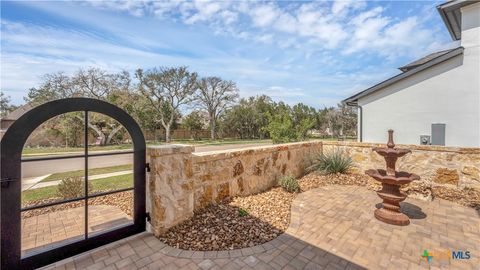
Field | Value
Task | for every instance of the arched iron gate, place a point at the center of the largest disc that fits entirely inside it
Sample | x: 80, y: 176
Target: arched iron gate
x: 11, y: 157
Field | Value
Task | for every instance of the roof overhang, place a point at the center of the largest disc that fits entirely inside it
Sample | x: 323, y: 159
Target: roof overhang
x: 452, y: 17
x: 352, y: 101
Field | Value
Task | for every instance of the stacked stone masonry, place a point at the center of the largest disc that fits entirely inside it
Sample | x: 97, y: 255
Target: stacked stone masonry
x: 437, y: 165
x: 181, y: 181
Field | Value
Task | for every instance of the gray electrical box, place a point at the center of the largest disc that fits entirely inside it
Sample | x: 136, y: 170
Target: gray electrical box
x: 425, y: 139
x: 438, y: 134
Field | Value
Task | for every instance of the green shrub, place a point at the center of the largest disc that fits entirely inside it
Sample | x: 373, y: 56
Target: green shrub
x: 72, y: 187
x: 330, y: 163
x: 242, y: 212
x: 280, y: 128
x: 289, y: 183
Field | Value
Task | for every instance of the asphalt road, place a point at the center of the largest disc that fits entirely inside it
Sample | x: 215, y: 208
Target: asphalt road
x: 41, y: 168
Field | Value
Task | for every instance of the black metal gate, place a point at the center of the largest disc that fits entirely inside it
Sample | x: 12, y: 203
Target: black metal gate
x: 11, y: 157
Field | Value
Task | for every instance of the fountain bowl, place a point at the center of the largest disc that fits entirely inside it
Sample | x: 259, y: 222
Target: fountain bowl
x: 391, y: 152
x: 400, y: 178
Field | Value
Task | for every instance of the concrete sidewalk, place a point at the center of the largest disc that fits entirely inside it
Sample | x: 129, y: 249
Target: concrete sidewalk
x: 39, y: 184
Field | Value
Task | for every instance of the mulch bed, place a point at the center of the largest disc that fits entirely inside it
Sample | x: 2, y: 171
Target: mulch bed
x: 122, y: 200
x: 221, y: 227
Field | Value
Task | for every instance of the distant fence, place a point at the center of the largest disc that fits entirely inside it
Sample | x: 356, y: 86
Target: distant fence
x: 177, y: 134
x: 181, y: 134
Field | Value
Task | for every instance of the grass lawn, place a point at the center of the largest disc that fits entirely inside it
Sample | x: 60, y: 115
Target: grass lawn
x: 206, y: 142
x: 44, y: 151
x: 109, y: 183
x: 95, y: 171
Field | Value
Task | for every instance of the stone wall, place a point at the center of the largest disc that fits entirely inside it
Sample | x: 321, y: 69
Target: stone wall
x: 181, y: 181
x: 437, y: 165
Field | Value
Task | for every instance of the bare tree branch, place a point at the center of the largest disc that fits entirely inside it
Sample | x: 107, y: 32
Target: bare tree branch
x: 214, y: 96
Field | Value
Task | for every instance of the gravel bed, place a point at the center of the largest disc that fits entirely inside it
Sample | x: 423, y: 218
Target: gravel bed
x: 224, y: 227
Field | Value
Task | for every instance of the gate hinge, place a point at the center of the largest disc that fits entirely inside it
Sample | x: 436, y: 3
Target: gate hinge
x: 147, y: 166
x: 147, y: 215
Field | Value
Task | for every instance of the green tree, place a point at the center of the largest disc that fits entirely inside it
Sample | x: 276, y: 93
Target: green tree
x: 249, y: 118
x: 53, y: 86
x: 342, y: 120
x: 348, y: 118
x: 281, y: 127
x: 194, y: 123
x: 321, y: 122
x: 167, y: 89
x: 304, y: 118
x: 95, y: 83
x: 5, y: 105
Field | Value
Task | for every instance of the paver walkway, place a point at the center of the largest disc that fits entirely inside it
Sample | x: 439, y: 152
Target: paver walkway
x: 332, y: 228
x: 57, y: 228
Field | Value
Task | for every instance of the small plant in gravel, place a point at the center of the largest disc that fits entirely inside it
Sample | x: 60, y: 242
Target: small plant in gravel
x: 72, y: 187
x: 330, y: 163
x: 242, y: 212
x: 289, y: 183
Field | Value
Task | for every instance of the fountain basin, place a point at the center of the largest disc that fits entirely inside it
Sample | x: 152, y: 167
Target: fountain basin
x: 400, y: 178
x: 391, y: 152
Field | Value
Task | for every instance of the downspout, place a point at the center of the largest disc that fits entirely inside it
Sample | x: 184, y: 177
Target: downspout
x: 360, y: 118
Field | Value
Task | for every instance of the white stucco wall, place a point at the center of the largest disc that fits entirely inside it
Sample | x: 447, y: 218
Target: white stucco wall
x: 447, y: 93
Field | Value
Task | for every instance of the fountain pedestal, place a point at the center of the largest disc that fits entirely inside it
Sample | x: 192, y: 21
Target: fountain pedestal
x: 391, y: 180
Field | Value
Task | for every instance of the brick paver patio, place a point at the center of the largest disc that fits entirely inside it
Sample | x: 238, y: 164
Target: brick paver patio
x: 332, y: 228
x: 56, y: 228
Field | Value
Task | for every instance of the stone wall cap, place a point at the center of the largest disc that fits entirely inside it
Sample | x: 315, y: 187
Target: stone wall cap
x: 170, y: 149
x: 231, y: 153
x: 461, y: 150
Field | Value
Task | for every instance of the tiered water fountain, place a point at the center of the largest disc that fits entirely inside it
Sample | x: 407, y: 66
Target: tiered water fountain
x: 391, y: 182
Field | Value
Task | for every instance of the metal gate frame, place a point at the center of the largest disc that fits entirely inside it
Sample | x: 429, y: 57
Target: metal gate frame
x: 10, y: 192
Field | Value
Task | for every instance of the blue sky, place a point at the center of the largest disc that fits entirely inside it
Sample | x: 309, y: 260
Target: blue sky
x: 317, y: 53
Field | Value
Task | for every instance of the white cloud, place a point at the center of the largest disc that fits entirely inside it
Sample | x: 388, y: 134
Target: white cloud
x: 290, y: 51
x: 286, y: 23
x: 376, y: 33
x: 368, y: 28
x: 133, y: 7
x: 267, y: 38
x: 340, y: 7
x: 343, y: 25
x: 264, y: 15
x: 202, y: 11
x: 319, y: 26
